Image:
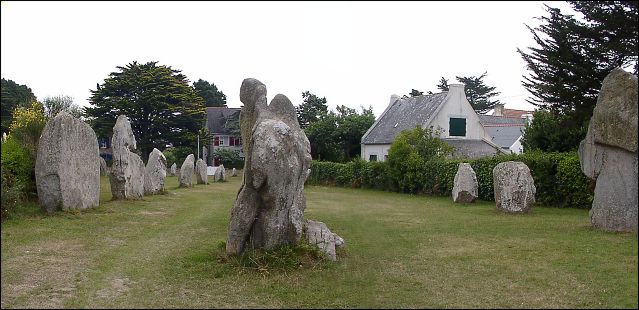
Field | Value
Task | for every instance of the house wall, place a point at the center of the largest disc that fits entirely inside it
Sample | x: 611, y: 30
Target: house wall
x: 457, y: 105
x: 381, y: 150
x: 517, y: 148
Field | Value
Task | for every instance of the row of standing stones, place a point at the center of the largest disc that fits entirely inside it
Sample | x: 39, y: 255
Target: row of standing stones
x: 269, y: 208
x: 68, y: 167
x: 608, y: 155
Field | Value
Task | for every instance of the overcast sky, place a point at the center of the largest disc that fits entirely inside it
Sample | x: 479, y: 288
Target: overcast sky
x: 353, y: 53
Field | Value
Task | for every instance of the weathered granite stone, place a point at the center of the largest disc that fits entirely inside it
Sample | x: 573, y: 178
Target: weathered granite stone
x: 234, y: 172
x: 174, y: 169
x: 318, y: 234
x: 465, y: 188
x: 614, y: 119
x: 220, y: 174
x: 67, y: 168
x: 608, y: 154
x: 155, y: 173
x: 127, y: 170
x: 186, y: 171
x: 269, y: 209
x: 104, y: 169
x: 514, y: 187
x: 200, y: 172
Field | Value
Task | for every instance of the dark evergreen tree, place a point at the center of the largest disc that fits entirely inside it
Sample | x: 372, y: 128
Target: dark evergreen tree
x: 12, y: 95
x: 478, y: 94
x: 159, y: 102
x: 567, y: 68
x: 443, y: 84
x: 209, y: 92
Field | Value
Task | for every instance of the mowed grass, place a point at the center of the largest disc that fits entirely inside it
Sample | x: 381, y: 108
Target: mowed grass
x: 401, y: 251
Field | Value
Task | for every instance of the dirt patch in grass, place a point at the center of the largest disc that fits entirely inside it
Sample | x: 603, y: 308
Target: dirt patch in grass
x: 47, y: 272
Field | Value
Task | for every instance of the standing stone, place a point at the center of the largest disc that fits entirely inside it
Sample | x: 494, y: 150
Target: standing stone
x: 514, y: 187
x: 127, y: 171
x: 174, y: 169
x: 205, y: 155
x: 234, y: 172
x: 318, y: 234
x: 608, y: 154
x: 104, y: 169
x: 219, y: 174
x: 155, y: 173
x: 200, y: 172
x: 465, y: 188
x: 67, y: 168
x: 186, y: 171
x: 269, y: 209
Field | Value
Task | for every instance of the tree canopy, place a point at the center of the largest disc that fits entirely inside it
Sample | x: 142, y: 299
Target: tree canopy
x: 158, y: 100
x: 13, y: 95
x: 209, y: 92
x: 478, y: 94
x: 336, y: 136
x: 56, y: 104
x: 571, y: 59
x: 312, y: 109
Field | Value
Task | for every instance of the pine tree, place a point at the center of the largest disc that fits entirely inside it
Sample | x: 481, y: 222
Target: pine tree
x: 159, y: 102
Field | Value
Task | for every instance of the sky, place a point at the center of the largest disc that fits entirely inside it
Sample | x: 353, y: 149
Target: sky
x: 355, y: 54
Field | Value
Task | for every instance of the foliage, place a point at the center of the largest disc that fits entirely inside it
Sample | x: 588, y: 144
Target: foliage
x: 27, y: 125
x: 567, y: 68
x: 312, y: 109
x: 12, y: 95
x: 209, y: 92
x: 549, y: 132
x: 177, y: 155
x: 229, y: 158
x: 12, y: 192
x: 337, y: 136
x: 478, y: 94
x: 158, y: 101
x: 558, y: 177
x: 415, y: 92
x: 443, y: 84
x: 408, y: 153
x: 18, y: 179
x: 56, y: 104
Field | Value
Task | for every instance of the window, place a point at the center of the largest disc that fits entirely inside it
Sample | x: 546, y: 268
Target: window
x: 457, y: 127
x: 216, y: 141
x: 372, y: 157
x: 385, y: 157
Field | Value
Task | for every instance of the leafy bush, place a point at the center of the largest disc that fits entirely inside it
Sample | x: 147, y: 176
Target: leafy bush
x: 229, y: 158
x: 27, y: 125
x: 558, y: 177
x: 17, y: 179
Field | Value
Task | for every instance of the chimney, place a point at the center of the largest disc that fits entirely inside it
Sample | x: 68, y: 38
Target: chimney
x: 498, y: 110
x: 456, y: 88
x: 393, y: 99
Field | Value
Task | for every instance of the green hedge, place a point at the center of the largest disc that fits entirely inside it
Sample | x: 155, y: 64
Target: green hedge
x: 558, y: 177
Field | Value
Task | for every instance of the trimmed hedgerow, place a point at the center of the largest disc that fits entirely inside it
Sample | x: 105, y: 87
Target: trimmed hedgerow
x: 558, y: 177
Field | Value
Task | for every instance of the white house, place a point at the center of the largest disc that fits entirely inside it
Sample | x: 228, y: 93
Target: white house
x: 449, y: 111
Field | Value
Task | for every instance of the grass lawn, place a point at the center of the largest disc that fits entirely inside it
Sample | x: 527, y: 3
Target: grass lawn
x: 401, y: 251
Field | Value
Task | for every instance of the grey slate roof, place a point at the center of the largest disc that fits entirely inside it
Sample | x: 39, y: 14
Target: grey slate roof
x: 503, y: 130
x: 500, y: 120
x: 504, y: 136
x: 471, y: 148
x: 406, y: 113
x: 216, y: 118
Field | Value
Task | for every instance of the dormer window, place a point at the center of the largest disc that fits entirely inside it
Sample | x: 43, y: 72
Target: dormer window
x: 457, y: 127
